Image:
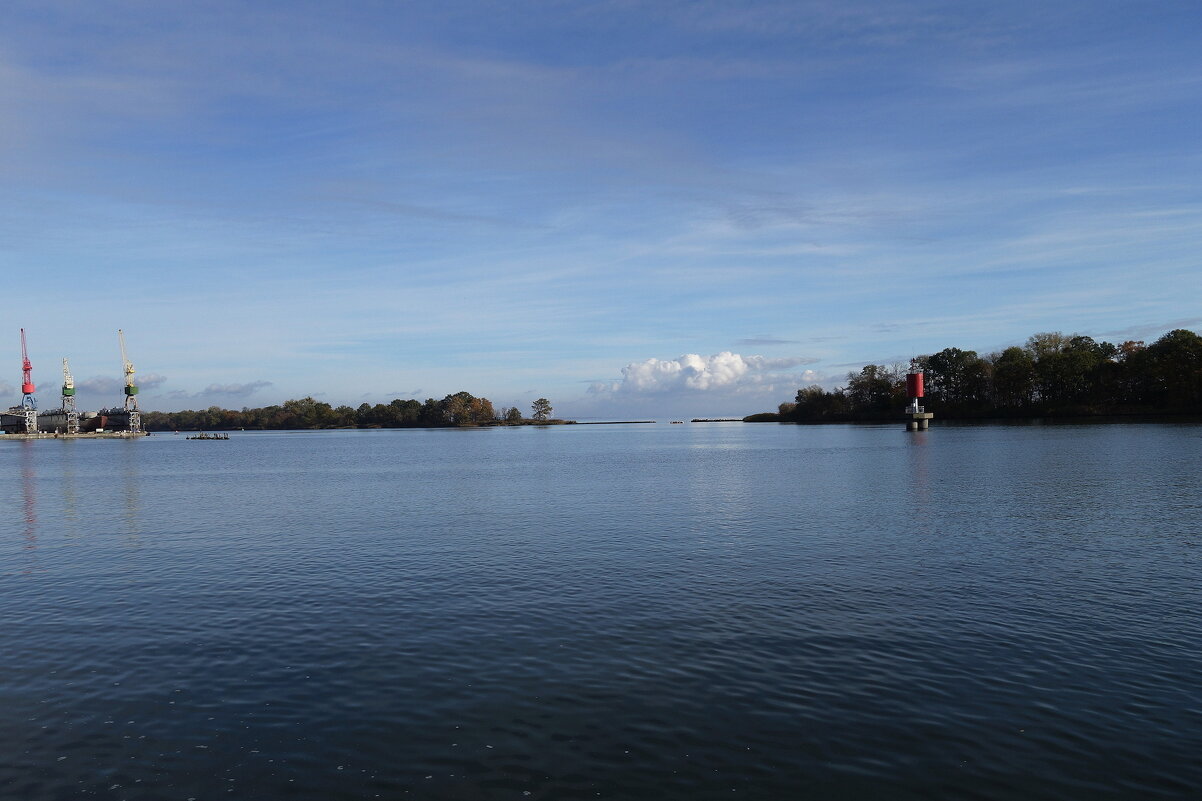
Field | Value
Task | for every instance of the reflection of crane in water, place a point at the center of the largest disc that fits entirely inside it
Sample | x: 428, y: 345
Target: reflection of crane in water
x: 30, y: 505
x: 67, y: 482
x: 133, y: 503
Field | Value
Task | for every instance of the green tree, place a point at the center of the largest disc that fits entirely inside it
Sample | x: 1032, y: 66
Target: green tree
x: 541, y: 409
x: 513, y: 415
x: 1171, y: 370
x: 874, y: 389
x: 214, y: 416
x: 344, y: 417
x: 1045, y: 343
x: 814, y: 403
x: 1068, y: 369
x: 431, y: 414
x: 1013, y: 378
x: 308, y: 413
x: 956, y: 378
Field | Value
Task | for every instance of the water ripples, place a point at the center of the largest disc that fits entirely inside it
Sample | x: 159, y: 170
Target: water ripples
x: 659, y: 612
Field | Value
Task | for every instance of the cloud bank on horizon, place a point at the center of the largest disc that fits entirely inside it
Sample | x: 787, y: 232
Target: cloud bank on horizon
x: 692, y: 372
x: 719, y: 384
x: 99, y: 391
x: 278, y: 199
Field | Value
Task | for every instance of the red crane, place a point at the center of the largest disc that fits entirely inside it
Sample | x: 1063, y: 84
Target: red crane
x: 27, y: 399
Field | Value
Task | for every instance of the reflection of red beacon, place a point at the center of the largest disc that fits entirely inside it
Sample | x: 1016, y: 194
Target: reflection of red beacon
x: 917, y: 417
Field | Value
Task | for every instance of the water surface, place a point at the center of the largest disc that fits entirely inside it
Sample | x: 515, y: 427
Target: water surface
x: 697, y: 611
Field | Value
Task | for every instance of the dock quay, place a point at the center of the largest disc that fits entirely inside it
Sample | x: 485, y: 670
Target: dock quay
x: 88, y: 435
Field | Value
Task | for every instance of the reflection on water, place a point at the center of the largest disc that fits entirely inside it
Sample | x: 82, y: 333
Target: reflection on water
x: 29, y: 493
x: 67, y: 483
x: 716, y: 478
x: 705, y: 613
x: 29, y: 501
x: 129, y: 488
x: 920, y: 479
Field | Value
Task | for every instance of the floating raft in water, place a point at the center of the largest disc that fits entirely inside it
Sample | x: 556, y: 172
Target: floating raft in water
x: 209, y: 436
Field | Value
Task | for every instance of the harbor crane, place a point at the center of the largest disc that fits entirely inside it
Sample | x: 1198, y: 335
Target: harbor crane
x: 69, y: 400
x: 68, y: 386
x: 28, y: 402
x: 131, y: 389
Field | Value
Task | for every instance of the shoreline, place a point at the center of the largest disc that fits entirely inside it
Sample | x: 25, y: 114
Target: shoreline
x: 1040, y: 419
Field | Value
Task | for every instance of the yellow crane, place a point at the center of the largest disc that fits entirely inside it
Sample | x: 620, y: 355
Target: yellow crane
x: 131, y: 389
x: 69, y: 400
x: 68, y: 385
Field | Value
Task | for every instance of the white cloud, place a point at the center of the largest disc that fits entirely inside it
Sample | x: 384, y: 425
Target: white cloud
x: 721, y: 372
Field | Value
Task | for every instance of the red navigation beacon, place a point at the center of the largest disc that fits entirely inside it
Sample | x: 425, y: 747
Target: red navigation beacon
x: 918, y: 418
x: 914, y: 385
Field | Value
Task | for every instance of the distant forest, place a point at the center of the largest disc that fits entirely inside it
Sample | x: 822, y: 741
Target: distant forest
x: 460, y: 409
x: 1053, y: 375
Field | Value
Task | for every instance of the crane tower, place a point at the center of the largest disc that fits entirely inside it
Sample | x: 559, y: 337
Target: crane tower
x: 28, y: 402
x: 131, y: 389
x: 69, y: 400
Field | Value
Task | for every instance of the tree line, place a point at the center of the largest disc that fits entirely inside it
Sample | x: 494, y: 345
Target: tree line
x: 1053, y: 374
x: 457, y: 410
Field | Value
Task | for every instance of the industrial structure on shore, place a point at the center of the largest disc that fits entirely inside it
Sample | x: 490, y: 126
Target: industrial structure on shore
x: 26, y: 421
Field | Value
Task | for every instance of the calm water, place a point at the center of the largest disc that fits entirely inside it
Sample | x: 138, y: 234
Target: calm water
x: 697, y: 611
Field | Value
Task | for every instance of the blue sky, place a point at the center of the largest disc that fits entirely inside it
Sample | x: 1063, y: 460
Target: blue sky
x: 631, y: 208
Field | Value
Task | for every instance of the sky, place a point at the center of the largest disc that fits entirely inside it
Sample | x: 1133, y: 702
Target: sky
x: 658, y: 208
